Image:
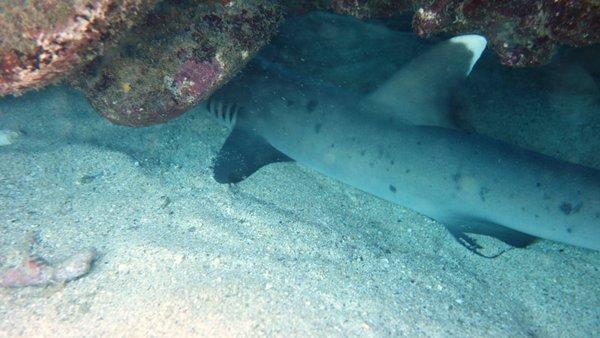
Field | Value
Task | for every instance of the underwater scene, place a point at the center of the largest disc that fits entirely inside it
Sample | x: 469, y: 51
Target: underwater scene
x: 407, y: 168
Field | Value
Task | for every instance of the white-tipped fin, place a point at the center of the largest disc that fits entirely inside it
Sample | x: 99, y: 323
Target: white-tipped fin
x: 420, y: 92
x: 475, y: 43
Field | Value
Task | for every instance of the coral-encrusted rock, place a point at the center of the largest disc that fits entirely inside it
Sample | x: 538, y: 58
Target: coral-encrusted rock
x: 368, y: 9
x: 42, y: 40
x: 37, y: 272
x: 184, y: 51
x: 522, y: 32
x: 75, y: 266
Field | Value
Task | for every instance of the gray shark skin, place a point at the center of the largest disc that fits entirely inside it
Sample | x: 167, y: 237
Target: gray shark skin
x: 400, y: 145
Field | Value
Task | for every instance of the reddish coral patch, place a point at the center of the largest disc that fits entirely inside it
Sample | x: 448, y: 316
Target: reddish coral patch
x: 196, y: 79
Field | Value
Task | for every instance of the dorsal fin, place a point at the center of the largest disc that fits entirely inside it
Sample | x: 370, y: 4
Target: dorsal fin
x: 420, y: 91
x: 243, y: 153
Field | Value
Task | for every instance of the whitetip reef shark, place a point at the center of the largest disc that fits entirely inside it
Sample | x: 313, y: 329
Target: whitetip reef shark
x: 400, y: 144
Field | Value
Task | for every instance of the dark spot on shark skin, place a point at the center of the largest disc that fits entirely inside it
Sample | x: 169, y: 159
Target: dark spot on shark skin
x: 522, y: 208
x: 538, y: 184
x: 566, y: 208
x: 598, y: 215
x: 289, y: 103
x: 456, y: 177
x: 379, y: 151
x: 482, y: 192
x: 569, y: 230
x: 407, y: 171
x: 391, y: 162
x: 392, y: 189
x: 332, y: 145
x: 318, y: 127
x: 312, y: 105
x: 362, y: 153
x: 536, y: 216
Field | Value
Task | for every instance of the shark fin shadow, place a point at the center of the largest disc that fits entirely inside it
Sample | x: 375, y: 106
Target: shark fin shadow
x: 513, y: 238
x: 242, y: 154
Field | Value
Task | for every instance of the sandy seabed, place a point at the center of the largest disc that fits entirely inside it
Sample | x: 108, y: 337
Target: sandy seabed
x: 287, y: 252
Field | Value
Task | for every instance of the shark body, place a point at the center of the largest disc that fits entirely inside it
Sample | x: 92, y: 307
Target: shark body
x: 399, y: 144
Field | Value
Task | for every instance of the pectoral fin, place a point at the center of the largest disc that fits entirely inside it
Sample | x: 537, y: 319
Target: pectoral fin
x: 514, y: 239
x: 243, y: 153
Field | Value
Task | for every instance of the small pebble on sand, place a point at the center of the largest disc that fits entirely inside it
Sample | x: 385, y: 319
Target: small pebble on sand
x: 8, y: 137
